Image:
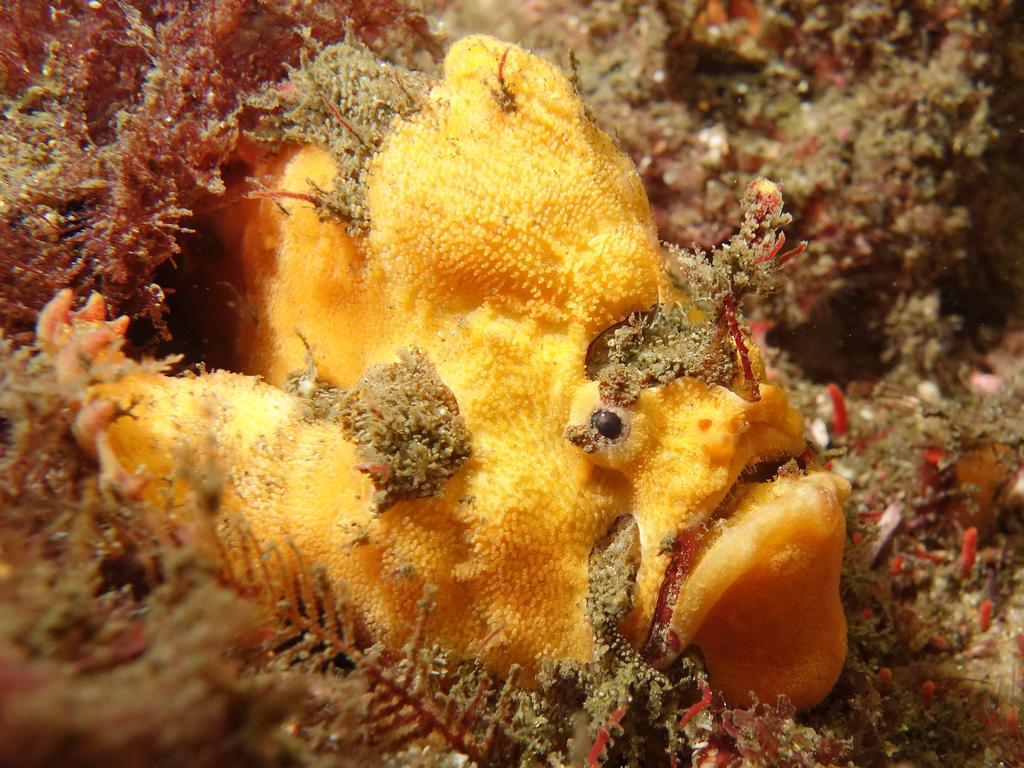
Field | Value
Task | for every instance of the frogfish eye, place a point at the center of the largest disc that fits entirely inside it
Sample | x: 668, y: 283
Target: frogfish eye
x: 607, y: 423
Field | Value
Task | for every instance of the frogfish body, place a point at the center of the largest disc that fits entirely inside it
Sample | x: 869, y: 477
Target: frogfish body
x: 423, y: 435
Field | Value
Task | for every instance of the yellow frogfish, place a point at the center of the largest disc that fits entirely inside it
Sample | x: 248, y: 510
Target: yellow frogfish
x: 418, y: 406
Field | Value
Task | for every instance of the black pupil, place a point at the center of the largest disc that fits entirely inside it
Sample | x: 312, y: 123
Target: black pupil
x: 607, y: 423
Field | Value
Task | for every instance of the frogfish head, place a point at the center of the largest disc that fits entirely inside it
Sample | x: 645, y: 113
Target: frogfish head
x: 739, y: 546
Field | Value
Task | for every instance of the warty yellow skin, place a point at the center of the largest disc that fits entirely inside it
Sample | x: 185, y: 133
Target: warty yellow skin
x: 503, y: 238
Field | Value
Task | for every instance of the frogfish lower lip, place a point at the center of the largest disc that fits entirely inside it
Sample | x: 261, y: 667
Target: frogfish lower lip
x: 663, y: 646
x: 758, y: 592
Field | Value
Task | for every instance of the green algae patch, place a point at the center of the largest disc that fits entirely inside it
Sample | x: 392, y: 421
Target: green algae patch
x: 403, y: 418
x: 345, y: 100
x: 653, y: 348
x: 406, y: 424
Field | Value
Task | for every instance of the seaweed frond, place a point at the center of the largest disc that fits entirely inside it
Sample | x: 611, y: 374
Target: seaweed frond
x: 120, y: 120
x: 395, y: 700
